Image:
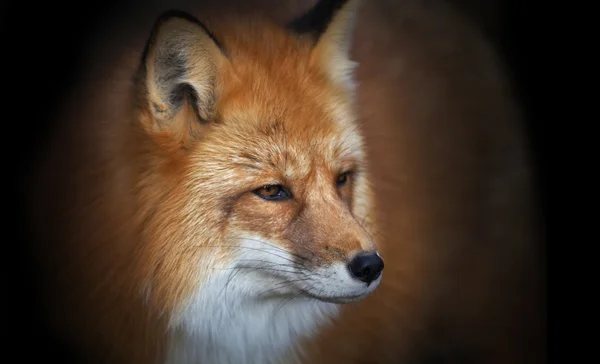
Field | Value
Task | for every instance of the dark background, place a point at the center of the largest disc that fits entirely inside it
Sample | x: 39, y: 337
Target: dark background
x: 42, y: 45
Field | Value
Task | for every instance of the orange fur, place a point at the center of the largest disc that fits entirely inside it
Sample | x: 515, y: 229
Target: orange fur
x: 120, y: 202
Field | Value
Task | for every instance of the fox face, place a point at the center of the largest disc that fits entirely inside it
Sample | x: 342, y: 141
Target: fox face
x: 254, y: 176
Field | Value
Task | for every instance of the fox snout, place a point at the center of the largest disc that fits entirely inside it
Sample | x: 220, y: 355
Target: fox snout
x: 321, y: 247
x: 333, y: 235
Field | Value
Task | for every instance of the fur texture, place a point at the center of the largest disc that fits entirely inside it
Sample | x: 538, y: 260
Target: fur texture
x: 143, y: 209
x: 188, y: 247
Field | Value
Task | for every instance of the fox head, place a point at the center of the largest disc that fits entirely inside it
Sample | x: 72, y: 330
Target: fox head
x: 253, y: 176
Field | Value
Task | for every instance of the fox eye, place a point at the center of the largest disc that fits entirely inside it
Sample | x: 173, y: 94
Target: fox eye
x: 342, y: 179
x: 273, y: 193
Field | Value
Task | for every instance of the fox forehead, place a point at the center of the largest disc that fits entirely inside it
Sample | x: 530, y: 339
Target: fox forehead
x: 274, y: 151
x: 287, y: 144
x: 279, y: 115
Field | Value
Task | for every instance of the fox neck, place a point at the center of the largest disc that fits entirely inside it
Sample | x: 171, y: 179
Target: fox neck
x: 232, y: 325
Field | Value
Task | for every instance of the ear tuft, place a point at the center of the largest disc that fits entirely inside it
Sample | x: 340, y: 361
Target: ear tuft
x: 330, y: 23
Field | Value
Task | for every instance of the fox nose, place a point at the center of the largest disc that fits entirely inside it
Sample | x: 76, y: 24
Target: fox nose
x: 366, y: 267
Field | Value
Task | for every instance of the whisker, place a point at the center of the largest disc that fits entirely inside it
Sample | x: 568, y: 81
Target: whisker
x: 258, y: 268
x: 268, y: 262
x: 229, y: 279
x: 246, y: 247
x: 288, y: 300
x: 284, y: 284
x: 305, y: 258
x: 274, y: 247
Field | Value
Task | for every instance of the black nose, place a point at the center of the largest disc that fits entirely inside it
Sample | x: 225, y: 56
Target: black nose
x: 366, y: 267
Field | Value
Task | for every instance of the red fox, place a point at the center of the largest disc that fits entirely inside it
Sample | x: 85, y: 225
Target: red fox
x: 215, y: 199
x: 229, y: 208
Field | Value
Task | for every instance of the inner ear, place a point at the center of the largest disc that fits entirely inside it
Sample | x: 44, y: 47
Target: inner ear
x: 181, y: 64
x: 184, y: 95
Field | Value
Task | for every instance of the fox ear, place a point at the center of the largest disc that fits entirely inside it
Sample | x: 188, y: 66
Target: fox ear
x: 181, y: 65
x: 330, y: 24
